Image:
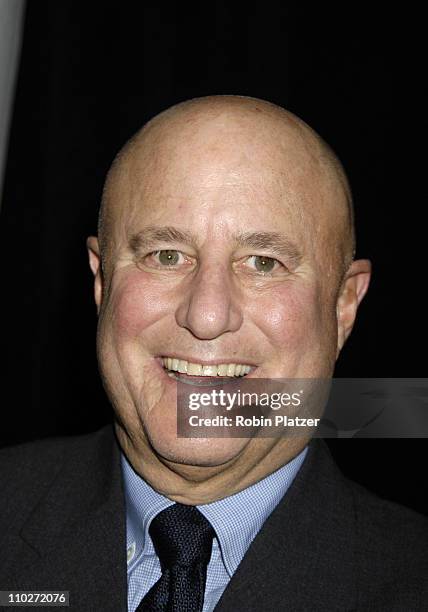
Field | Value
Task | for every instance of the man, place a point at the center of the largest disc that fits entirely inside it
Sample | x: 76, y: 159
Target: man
x: 225, y: 239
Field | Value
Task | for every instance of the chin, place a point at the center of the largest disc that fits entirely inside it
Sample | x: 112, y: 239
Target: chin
x: 199, y: 452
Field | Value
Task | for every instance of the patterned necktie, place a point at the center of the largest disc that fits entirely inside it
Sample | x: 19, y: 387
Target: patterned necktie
x: 183, y: 539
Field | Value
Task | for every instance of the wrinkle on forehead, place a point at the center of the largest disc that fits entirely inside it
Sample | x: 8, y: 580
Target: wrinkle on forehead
x: 233, y: 136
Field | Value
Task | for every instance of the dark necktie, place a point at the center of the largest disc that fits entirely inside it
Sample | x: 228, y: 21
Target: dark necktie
x: 183, y: 539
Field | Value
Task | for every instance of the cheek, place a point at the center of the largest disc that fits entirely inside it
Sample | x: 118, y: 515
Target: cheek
x: 291, y: 315
x: 136, y: 304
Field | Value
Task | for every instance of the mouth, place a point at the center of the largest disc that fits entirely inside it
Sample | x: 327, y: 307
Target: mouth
x: 194, y: 372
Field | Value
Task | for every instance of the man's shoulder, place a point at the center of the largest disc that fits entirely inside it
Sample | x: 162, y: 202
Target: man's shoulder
x: 390, y: 552
x: 392, y: 537
x: 376, y: 520
x: 376, y: 515
x: 62, y: 520
x: 28, y: 470
x: 40, y: 455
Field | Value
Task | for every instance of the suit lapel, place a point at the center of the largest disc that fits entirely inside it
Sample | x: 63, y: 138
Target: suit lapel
x: 75, y: 539
x: 303, y: 557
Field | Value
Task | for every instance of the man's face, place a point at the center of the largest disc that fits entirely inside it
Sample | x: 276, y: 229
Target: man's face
x: 220, y: 258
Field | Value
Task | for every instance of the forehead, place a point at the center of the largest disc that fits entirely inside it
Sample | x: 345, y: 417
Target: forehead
x: 220, y: 165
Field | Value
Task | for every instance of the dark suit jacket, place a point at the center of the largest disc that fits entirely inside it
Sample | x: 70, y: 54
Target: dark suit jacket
x: 329, y: 545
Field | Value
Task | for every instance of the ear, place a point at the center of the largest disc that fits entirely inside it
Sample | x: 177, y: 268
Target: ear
x: 95, y: 265
x: 353, y: 290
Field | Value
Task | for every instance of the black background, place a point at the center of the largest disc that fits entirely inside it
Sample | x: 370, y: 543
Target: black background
x: 92, y: 73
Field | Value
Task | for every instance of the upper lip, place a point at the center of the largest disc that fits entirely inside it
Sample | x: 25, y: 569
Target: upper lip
x: 207, y: 362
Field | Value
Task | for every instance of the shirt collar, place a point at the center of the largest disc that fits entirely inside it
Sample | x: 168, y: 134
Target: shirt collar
x: 143, y: 503
x: 236, y: 519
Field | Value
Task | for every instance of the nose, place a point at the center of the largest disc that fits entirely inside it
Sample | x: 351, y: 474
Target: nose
x: 210, y: 306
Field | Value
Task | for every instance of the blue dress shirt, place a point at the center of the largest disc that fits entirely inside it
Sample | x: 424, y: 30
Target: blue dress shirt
x: 236, y: 520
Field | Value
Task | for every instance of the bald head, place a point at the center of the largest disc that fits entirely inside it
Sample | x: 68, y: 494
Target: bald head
x: 239, y: 131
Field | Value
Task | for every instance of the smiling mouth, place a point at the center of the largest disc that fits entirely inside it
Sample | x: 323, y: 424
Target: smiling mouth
x: 189, y: 371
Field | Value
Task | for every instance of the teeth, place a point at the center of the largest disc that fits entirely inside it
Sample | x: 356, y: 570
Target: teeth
x: 197, y: 369
x: 231, y: 369
x: 182, y: 366
x: 193, y: 368
x: 209, y: 370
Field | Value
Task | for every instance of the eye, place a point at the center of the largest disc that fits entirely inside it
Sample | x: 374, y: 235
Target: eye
x: 264, y: 264
x: 168, y: 257
x: 165, y: 258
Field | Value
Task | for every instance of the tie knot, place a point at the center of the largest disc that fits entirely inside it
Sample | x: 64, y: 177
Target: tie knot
x: 181, y: 536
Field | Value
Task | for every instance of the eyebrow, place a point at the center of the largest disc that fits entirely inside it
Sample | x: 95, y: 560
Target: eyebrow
x: 151, y: 236
x: 274, y: 242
